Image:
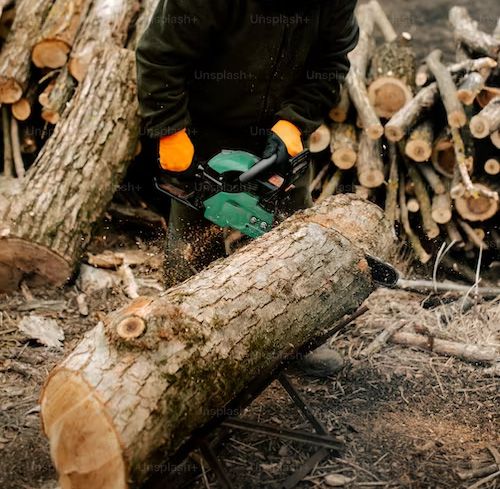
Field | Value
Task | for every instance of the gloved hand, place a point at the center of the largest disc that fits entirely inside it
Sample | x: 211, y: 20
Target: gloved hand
x: 176, y: 152
x: 285, y: 141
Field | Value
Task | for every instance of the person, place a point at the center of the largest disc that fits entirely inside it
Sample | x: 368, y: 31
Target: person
x: 253, y: 75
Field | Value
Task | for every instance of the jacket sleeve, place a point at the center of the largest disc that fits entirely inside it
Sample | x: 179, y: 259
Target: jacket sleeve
x: 327, y: 68
x: 177, y: 36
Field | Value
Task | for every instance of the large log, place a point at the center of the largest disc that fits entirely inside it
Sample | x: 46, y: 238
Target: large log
x: 107, y: 22
x: 74, y: 177
x: 137, y: 386
x: 15, y: 58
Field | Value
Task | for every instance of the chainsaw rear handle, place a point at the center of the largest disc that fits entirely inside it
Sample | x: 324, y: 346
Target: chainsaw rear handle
x: 258, y: 168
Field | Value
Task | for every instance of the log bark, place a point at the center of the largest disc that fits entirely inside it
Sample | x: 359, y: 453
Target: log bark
x: 466, y: 32
x: 370, y: 166
x: 454, y: 109
x: 58, y: 33
x: 430, y: 227
x: 495, y: 138
x: 391, y: 198
x: 148, y: 8
x: 15, y: 57
x: 487, y: 121
x: 344, y: 146
x: 382, y: 21
x: 419, y: 144
x: 137, y: 386
x: 433, y: 179
x: 392, y: 78
x: 74, y: 176
x: 107, y: 23
x: 56, y: 96
x: 403, y: 120
x: 356, y: 78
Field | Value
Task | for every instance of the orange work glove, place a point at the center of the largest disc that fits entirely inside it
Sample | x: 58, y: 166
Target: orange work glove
x: 176, y: 152
x: 290, y: 135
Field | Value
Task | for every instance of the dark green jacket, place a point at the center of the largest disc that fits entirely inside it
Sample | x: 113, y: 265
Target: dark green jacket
x: 243, y: 64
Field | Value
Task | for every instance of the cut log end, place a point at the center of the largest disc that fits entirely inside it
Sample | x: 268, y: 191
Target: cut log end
x: 344, y: 158
x: 131, y: 328
x: 320, y: 139
x: 23, y: 260
x: 444, y: 158
x: 495, y: 139
x: 95, y: 457
x: 50, y: 53
x: 50, y: 116
x: 371, y: 178
x: 479, y: 127
x: 492, y: 166
x: 10, y: 91
x: 21, y: 110
x: 388, y: 95
x: 394, y: 133
x: 419, y: 151
x: 476, y: 208
x: 375, y: 132
x: 457, y: 118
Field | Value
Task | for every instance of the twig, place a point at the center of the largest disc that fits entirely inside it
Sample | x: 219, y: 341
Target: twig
x: 427, y: 285
x: 7, y: 151
x: 481, y: 482
x: 16, y: 148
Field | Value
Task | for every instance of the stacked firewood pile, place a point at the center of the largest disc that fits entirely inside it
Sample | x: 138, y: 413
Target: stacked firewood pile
x: 75, y: 134
x: 423, y: 142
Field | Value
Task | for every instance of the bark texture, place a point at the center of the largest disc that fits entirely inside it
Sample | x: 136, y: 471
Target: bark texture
x: 138, y: 385
x: 74, y: 176
x: 107, y: 23
x: 15, y: 57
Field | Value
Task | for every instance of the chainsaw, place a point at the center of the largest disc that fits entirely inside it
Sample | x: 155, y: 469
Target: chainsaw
x: 238, y: 190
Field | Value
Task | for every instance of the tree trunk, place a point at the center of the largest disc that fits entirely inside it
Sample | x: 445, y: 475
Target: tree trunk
x: 393, y: 78
x: 15, y: 57
x: 74, y: 177
x: 107, y: 23
x: 58, y: 33
x: 138, y: 385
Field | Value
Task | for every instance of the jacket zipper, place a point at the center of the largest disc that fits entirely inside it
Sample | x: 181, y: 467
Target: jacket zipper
x: 274, y: 71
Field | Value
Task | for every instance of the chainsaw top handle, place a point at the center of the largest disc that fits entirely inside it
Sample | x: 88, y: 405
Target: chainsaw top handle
x: 258, y: 168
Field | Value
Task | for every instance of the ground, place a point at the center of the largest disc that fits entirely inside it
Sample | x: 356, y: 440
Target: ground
x: 410, y: 419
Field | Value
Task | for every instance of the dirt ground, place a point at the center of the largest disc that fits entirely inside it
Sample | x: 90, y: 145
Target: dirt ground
x: 410, y: 419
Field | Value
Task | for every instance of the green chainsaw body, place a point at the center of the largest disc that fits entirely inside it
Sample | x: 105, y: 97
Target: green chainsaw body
x: 241, y: 210
x: 234, y: 190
